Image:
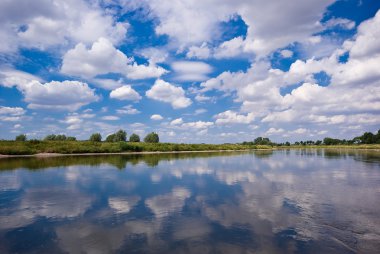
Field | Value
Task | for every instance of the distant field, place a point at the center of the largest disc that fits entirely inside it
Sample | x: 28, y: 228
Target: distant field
x: 75, y: 147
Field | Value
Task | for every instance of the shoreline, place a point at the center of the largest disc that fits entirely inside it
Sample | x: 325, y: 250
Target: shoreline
x: 47, y: 155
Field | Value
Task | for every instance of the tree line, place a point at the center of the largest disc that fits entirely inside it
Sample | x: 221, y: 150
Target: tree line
x: 120, y: 135
x: 366, y: 138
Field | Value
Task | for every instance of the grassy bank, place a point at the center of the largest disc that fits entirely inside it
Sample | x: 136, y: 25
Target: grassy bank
x: 75, y: 147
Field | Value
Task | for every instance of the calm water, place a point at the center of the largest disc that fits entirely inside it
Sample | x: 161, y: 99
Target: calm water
x: 299, y: 201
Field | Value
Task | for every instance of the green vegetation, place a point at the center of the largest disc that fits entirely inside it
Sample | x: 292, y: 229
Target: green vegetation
x: 21, y: 137
x: 96, y: 137
x: 116, y: 143
x: 120, y: 135
x: 75, y: 147
x: 152, y: 138
x: 53, y: 137
x: 134, y: 138
x: 365, y: 139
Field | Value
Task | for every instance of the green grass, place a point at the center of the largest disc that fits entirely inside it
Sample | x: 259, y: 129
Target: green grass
x: 75, y: 147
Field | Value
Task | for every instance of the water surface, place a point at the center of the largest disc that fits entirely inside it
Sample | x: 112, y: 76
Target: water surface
x: 287, y: 201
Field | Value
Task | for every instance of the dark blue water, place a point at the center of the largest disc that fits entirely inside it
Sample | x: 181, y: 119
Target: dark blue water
x: 298, y: 201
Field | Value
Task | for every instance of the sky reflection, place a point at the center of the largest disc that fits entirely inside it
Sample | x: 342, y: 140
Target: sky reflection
x: 298, y: 201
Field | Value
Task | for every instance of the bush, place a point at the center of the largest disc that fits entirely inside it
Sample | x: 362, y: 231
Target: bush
x: 21, y: 137
x: 152, y: 138
x: 96, y: 137
x: 134, y: 138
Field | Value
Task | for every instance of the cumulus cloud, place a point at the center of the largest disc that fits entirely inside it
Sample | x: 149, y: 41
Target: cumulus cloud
x: 55, y: 23
x: 258, y: 89
x: 166, y: 92
x: 177, y: 121
x: 110, y: 118
x: 286, y: 53
x: 125, y: 92
x: 231, y: 117
x: 201, y: 52
x: 194, y: 22
x: 104, y: 58
x: 156, y: 117
x: 128, y: 110
x: 54, y: 95
x: 11, y: 114
x: 197, y: 125
x: 191, y: 70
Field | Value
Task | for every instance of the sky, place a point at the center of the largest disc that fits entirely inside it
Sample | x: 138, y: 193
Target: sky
x: 210, y: 71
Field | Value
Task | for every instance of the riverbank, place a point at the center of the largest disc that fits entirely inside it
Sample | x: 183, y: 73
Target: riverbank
x: 54, y: 148
x: 59, y: 148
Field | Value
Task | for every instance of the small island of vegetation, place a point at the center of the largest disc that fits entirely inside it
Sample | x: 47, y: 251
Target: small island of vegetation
x: 118, y: 142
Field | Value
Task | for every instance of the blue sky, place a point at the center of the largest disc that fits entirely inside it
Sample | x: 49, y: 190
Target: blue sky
x: 193, y: 71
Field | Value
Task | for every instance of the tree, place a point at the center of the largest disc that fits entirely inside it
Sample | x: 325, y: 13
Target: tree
x: 110, y: 138
x: 96, y: 137
x: 331, y: 141
x: 152, y: 138
x: 70, y: 138
x: 50, y: 137
x: 120, y: 135
x: 368, y: 138
x: 262, y: 141
x: 134, y: 138
x: 21, y: 137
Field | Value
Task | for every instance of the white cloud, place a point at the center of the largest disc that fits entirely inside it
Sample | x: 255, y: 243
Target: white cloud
x: 193, y: 22
x: 274, y: 131
x: 177, y: 121
x: 197, y: 125
x: 55, y: 23
x: 339, y: 22
x: 104, y: 58
x: 166, y: 92
x: 110, y: 118
x: 191, y: 70
x: 231, y: 117
x: 128, y: 110
x: 201, y: 52
x: 231, y: 48
x: 156, y: 117
x: 54, y: 95
x: 14, y: 111
x: 258, y: 89
x: 286, y: 53
x: 11, y: 114
x: 125, y: 92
